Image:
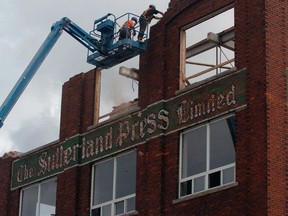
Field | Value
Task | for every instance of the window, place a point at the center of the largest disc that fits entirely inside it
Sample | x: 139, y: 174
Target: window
x: 207, y: 157
x: 207, y: 46
x: 39, y: 200
x: 114, y: 186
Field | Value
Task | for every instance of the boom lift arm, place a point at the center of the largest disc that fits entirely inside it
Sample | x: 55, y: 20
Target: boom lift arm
x: 104, y: 53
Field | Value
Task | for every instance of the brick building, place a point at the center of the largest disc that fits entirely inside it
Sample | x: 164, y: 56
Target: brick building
x: 215, y: 146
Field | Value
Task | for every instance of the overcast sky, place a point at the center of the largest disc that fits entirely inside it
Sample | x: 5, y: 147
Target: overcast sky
x: 24, y: 25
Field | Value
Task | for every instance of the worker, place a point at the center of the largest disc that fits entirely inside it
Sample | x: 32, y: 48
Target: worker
x: 146, y: 18
x: 127, y: 28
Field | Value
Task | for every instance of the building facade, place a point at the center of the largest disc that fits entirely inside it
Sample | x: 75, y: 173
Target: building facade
x: 215, y: 146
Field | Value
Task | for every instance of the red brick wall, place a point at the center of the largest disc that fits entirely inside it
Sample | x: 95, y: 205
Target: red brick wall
x: 9, y: 200
x: 67, y: 193
x: 149, y: 177
x: 159, y: 67
x: 262, y: 127
x: 73, y: 185
x: 77, y: 112
x: 84, y: 190
x: 73, y: 192
x: 77, y: 108
x: 250, y: 53
x: 261, y: 47
x: 276, y: 63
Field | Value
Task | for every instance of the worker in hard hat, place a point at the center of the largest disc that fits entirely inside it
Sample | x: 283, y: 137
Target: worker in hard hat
x: 128, y: 28
x: 146, y: 18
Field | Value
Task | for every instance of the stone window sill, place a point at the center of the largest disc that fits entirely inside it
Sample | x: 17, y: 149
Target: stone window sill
x: 204, y: 193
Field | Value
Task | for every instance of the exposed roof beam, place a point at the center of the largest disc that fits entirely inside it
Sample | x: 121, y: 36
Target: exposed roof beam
x: 224, y: 38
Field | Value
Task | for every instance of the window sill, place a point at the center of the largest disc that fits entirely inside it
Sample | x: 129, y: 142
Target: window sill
x: 207, y: 80
x: 130, y: 213
x: 210, y: 191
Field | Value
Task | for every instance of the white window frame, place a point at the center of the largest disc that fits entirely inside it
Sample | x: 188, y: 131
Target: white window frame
x: 114, y: 200
x: 38, y: 195
x: 208, y: 170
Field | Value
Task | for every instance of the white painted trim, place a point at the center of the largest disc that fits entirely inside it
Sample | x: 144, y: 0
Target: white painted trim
x: 114, y: 200
x: 38, y: 195
x: 204, y: 193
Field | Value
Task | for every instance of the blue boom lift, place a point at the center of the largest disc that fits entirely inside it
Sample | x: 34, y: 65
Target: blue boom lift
x: 104, y: 51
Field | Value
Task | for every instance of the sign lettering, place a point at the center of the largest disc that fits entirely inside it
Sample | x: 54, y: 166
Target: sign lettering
x: 164, y: 117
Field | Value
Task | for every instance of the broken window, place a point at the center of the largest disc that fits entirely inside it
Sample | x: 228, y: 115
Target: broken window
x: 207, y: 156
x: 207, y: 48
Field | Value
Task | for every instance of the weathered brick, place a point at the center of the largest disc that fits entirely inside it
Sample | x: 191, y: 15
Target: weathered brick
x: 261, y: 42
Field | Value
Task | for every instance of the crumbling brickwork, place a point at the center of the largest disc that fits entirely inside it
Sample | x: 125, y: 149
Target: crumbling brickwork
x: 77, y: 104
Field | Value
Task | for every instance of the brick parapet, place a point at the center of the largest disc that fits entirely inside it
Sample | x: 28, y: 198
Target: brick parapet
x: 152, y: 69
x: 77, y: 109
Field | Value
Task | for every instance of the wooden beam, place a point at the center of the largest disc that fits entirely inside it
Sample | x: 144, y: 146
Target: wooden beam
x: 97, y: 95
x: 203, y: 64
x: 182, y: 67
x: 209, y: 69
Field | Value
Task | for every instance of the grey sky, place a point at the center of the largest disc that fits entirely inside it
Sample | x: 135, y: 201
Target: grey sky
x: 34, y: 121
